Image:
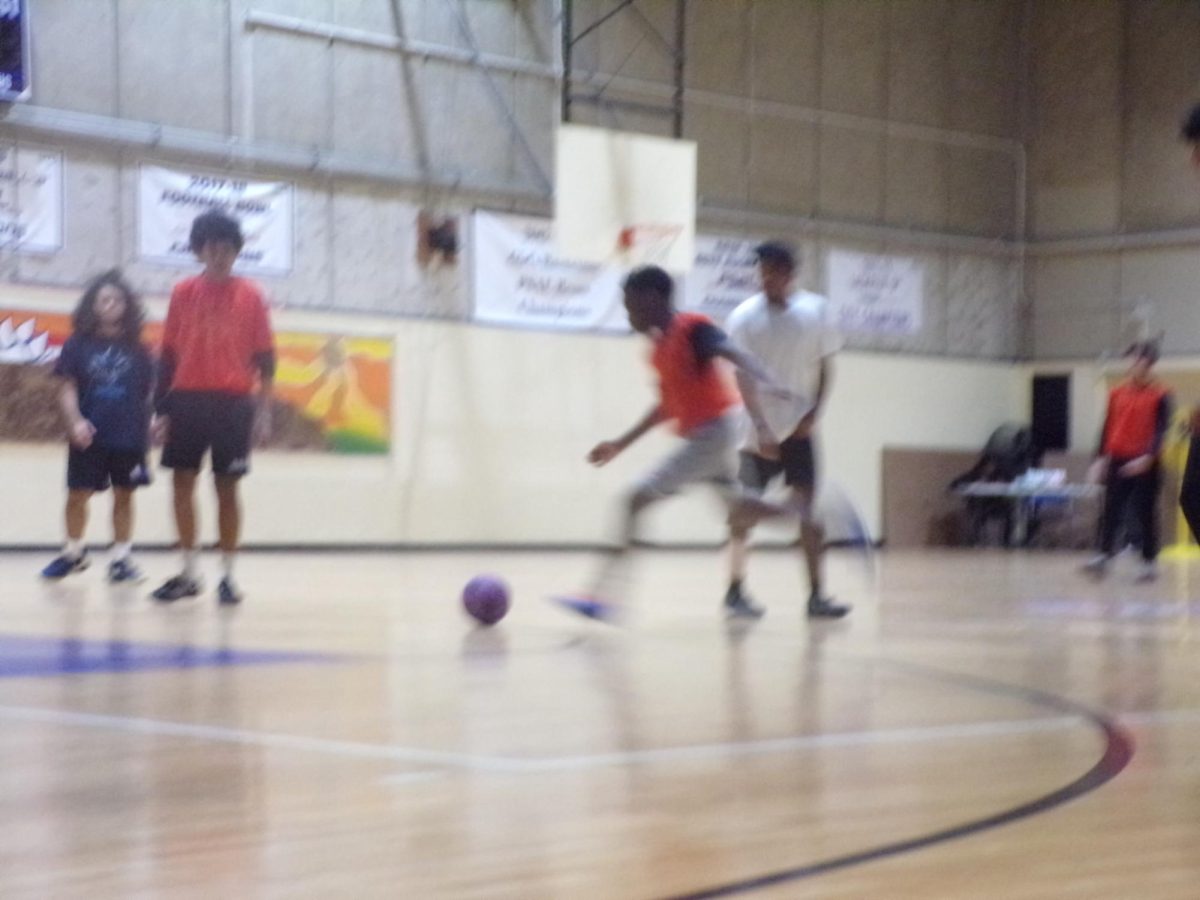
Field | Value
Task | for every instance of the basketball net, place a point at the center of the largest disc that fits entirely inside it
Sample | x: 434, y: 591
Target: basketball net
x: 647, y: 243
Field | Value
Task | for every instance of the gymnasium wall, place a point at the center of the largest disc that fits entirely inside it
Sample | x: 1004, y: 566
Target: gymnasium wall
x: 490, y: 428
x: 1114, y: 206
x: 888, y: 127
x: 883, y: 127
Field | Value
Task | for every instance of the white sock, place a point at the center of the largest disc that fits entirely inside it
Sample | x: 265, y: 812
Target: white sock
x: 189, y: 562
x: 74, y: 549
x: 227, y: 561
x: 122, y: 551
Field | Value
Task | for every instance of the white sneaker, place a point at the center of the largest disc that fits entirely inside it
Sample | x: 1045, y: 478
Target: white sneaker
x: 1147, y: 572
x: 1097, y: 566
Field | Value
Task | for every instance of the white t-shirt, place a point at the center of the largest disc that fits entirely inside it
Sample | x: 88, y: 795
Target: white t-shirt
x: 790, y: 344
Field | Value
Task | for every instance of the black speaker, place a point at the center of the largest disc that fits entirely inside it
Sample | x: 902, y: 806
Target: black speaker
x: 1051, y: 411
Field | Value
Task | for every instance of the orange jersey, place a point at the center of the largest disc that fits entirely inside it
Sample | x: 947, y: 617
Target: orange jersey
x: 692, y: 391
x: 214, y: 333
x: 1131, y: 428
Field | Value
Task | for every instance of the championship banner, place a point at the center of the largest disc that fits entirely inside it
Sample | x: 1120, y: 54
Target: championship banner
x: 875, y: 294
x: 725, y: 273
x: 168, y: 201
x: 333, y: 393
x: 31, y: 200
x: 519, y: 278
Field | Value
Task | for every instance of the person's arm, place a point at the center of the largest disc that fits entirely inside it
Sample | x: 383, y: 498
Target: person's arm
x: 1162, y: 421
x: 79, y: 430
x: 607, y: 450
x: 264, y: 362
x: 1099, y: 468
x: 824, y: 380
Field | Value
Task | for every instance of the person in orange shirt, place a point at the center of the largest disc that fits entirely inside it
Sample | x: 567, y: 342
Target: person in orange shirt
x: 215, y: 375
x: 699, y: 399
x: 1139, y: 413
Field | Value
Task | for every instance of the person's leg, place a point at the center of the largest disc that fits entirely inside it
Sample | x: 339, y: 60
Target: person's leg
x: 1147, y: 491
x: 84, y: 477
x: 1189, y: 490
x: 1117, y: 490
x: 800, y: 469
x: 232, y: 439
x: 188, y: 437
x: 76, y: 520
x: 183, y: 496
x: 755, y: 473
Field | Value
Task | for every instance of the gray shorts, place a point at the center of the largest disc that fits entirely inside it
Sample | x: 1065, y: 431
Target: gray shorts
x: 708, y: 454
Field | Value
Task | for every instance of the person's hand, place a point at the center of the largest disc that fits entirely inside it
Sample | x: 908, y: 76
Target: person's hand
x: 768, y: 446
x: 1139, y: 465
x: 263, y: 426
x: 604, y: 452
x: 806, y: 426
x: 82, y: 433
x: 1097, y: 471
x: 160, y: 427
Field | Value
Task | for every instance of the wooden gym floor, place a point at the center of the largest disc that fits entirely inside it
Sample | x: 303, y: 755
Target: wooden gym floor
x: 983, y: 725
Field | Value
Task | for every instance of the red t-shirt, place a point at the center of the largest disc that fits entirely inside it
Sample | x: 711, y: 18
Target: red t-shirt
x: 1131, y: 429
x: 693, y: 391
x: 216, y: 333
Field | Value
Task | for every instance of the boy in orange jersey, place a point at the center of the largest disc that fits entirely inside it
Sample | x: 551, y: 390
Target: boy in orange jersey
x: 1139, y: 413
x: 698, y: 398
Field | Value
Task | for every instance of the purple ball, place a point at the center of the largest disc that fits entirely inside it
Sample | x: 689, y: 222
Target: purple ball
x: 485, y: 598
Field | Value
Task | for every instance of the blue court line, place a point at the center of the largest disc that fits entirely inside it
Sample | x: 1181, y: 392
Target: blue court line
x: 1118, y: 751
x: 40, y: 657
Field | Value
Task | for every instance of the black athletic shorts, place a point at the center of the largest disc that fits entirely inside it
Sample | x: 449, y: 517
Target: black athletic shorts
x: 797, y: 463
x: 98, y: 469
x: 201, y: 421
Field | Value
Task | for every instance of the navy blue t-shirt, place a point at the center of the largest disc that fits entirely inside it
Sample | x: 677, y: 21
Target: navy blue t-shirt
x: 114, y: 380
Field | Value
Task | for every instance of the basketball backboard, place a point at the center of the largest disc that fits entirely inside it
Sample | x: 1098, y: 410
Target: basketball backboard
x: 625, y: 199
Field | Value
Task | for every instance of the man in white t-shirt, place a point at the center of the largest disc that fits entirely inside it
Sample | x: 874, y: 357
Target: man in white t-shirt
x: 791, y: 333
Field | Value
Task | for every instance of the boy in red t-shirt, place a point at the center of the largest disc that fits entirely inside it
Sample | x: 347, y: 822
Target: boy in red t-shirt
x: 214, y: 389
x: 697, y: 397
x: 1139, y: 413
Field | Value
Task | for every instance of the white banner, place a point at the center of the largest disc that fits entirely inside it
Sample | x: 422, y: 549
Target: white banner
x: 725, y: 273
x: 518, y: 278
x: 169, y: 200
x: 875, y: 294
x: 31, y: 200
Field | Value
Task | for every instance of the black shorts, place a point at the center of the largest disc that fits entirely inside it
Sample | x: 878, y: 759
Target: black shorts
x: 201, y: 421
x: 98, y: 468
x: 797, y: 463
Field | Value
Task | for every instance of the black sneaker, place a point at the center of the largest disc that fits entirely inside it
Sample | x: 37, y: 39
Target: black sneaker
x: 739, y: 606
x: 228, y: 593
x: 177, y: 588
x: 824, y: 608
x: 123, y: 571
x: 62, y: 566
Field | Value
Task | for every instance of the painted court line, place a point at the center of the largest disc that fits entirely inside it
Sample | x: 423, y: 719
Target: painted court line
x: 547, y: 764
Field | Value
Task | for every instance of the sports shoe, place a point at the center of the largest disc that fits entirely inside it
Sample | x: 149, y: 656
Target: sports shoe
x: 176, y: 588
x: 122, y: 571
x: 64, y: 565
x: 739, y: 606
x: 1147, y: 572
x: 1097, y: 566
x: 228, y: 593
x: 824, y: 608
x: 589, y: 608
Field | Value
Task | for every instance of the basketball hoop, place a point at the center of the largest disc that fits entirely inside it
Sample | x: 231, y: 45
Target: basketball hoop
x: 647, y: 243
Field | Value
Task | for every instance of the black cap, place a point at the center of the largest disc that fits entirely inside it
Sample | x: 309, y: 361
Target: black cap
x: 776, y: 253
